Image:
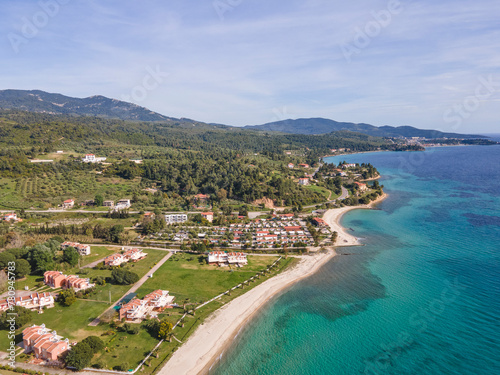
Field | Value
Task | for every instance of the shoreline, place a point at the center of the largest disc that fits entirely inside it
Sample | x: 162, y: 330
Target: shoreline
x: 211, y: 339
x: 334, y: 215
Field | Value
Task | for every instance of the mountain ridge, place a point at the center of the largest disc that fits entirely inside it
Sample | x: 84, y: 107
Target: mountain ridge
x: 320, y: 125
x: 98, y: 105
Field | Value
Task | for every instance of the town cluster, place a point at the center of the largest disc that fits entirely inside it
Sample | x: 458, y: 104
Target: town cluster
x: 280, y: 230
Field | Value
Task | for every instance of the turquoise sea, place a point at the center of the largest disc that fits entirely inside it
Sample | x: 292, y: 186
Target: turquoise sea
x: 423, y: 295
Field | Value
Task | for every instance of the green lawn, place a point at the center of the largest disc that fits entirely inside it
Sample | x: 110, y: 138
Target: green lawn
x: 325, y: 192
x: 185, y: 277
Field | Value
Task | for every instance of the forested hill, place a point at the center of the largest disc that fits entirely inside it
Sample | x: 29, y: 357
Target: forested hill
x: 44, y: 102
x: 322, y: 126
x: 24, y: 130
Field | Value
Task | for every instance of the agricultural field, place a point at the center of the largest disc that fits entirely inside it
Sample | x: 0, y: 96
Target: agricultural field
x: 52, y: 188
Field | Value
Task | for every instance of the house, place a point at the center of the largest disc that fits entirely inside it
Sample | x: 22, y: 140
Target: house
x: 69, y: 203
x: 201, y: 198
x: 34, y: 301
x: 176, y: 218
x: 149, y: 215
x: 361, y: 186
x: 238, y: 259
x: 82, y: 249
x: 208, y: 215
x: 91, y: 158
x: 303, y: 181
x: 134, y: 255
x: 137, y: 310
x: 123, y: 204
x: 350, y: 165
x: 302, y: 165
x: 108, y: 204
x: 222, y: 258
x: 115, y: 260
x: 291, y: 165
x: 217, y: 257
x: 56, y: 279
x: 319, y: 222
x: 10, y: 216
x: 45, y: 344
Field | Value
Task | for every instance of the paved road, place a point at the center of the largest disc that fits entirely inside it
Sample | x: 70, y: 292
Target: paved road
x: 136, y: 286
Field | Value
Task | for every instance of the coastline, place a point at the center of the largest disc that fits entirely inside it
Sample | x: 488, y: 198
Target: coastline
x: 215, y: 335
x: 333, y: 216
x: 211, y: 339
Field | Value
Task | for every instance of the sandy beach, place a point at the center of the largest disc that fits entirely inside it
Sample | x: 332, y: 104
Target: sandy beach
x: 333, y: 216
x: 210, y: 339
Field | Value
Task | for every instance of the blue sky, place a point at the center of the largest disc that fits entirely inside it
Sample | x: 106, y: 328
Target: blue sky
x: 423, y: 63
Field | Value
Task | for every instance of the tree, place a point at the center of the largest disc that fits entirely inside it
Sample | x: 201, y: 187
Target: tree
x: 22, y: 316
x: 334, y: 236
x: 71, y: 256
x: 23, y: 268
x: 99, y: 200
x: 114, y: 233
x: 43, y: 259
x: 5, y: 258
x: 95, y: 343
x: 124, y: 277
x: 164, y: 329
x: 67, y: 297
x: 79, y: 356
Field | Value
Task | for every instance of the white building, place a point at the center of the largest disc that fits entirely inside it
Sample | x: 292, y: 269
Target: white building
x: 123, y: 204
x: 303, y: 181
x: 176, y: 218
x: 69, y: 203
x: 91, y: 158
x: 82, y: 249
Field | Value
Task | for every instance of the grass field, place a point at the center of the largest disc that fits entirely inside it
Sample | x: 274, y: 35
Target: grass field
x: 184, y: 276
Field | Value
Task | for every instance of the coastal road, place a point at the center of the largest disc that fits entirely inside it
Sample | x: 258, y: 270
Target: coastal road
x: 136, y: 286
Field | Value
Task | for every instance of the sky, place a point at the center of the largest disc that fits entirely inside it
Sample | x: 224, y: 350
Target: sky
x: 429, y: 64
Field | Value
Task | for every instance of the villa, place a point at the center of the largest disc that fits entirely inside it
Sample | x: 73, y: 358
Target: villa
x: 320, y: 222
x: 361, y: 186
x: 56, y: 279
x: 222, y: 258
x: 45, y: 344
x: 208, y: 215
x: 115, y: 260
x: 134, y: 255
x: 122, y: 204
x: 10, y: 216
x: 34, y: 301
x: 91, y: 158
x: 82, y: 249
x: 303, y: 181
x: 138, y: 310
x: 69, y: 203
x: 176, y: 218
x: 108, y: 204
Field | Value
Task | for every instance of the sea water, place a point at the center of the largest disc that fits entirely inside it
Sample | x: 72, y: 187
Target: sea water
x: 421, y: 297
